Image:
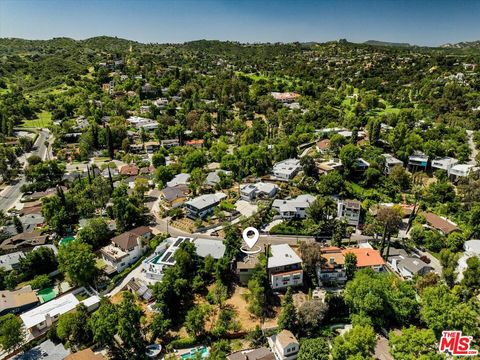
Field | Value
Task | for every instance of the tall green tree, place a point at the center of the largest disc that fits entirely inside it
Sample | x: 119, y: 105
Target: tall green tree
x: 77, y: 261
x: 288, y: 317
x: 11, y: 333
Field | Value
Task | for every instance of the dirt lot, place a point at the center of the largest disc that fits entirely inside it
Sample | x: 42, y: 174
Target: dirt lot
x: 247, y: 320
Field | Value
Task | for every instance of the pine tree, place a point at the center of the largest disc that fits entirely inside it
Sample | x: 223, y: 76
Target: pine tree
x: 288, y: 317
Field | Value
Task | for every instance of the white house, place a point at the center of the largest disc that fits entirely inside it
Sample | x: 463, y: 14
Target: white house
x: 472, y: 248
x: 203, y: 205
x: 126, y: 248
x: 284, y: 345
x: 284, y: 267
x: 286, y: 169
x: 444, y: 163
x: 294, y: 208
x: 41, y: 318
x: 259, y: 190
x: 462, y: 170
x: 164, y: 255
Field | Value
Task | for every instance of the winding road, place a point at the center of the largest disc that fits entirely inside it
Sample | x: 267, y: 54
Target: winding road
x: 11, y: 194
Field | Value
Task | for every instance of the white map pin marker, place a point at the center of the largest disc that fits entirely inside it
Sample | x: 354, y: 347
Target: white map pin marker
x: 251, y: 241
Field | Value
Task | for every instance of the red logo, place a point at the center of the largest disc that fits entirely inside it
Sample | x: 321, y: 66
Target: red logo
x: 454, y: 343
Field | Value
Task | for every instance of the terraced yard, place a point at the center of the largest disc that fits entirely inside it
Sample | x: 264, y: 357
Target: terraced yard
x: 43, y: 120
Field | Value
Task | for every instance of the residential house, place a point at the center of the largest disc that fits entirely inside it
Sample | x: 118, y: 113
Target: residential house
x: 324, y: 167
x: 287, y: 169
x: 293, y: 208
x: 195, y: 143
x: 472, y: 248
x: 284, y: 267
x: 439, y: 223
x: 136, y: 148
x: 361, y: 165
x: 172, y: 197
x: 390, y: 163
x: 169, y: 143
x: 323, y: 145
x: 129, y: 170
x: 284, y: 345
x: 126, y: 248
x: 38, y: 320
x: 367, y: 258
x: 244, y: 268
x: 11, y: 261
x: 24, y: 240
x: 262, y: 353
x: 332, y: 269
x: 444, y: 163
x: 31, y: 222
x: 405, y: 265
x: 203, y: 205
x: 259, y: 190
x: 350, y: 211
x: 152, y: 146
x: 462, y: 170
x: 46, y: 350
x: 179, y: 179
x: 161, y: 102
x: 164, y: 255
x: 213, y: 178
x: 285, y: 97
x: 17, y: 301
x: 418, y: 161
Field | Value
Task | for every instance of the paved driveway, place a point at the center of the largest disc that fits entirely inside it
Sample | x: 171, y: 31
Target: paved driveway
x: 245, y: 208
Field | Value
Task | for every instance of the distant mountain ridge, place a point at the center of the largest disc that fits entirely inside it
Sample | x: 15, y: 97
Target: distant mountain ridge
x: 462, y: 45
x: 386, y: 43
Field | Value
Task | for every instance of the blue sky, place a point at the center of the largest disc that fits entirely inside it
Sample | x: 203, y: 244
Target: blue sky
x: 422, y: 22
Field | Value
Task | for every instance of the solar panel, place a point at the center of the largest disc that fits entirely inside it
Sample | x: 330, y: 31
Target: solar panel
x: 166, y: 256
x: 178, y: 242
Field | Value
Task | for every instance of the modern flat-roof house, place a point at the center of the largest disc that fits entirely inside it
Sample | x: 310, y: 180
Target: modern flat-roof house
x: 462, y: 170
x: 472, y: 248
x: 287, y: 169
x: 284, y: 345
x: 164, y: 255
x: 418, y: 161
x: 259, y: 190
x: 391, y: 162
x: 444, y: 163
x: 284, y: 267
x: 152, y: 146
x: 38, y: 320
x: 203, y: 205
x: 169, y: 143
x: 126, y: 248
x: 293, y: 208
x: 405, y: 265
x: 179, y: 179
x: 349, y: 210
x: 439, y: 223
x: 17, y: 301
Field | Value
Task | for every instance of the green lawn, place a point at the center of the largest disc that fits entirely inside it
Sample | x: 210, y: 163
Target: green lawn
x: 43, y: 120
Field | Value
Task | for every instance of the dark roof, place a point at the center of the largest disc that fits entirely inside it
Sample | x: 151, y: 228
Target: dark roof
x: 24, y: 239
x: 439, y: 223
x: 128, y: 239
x: 174, y: 192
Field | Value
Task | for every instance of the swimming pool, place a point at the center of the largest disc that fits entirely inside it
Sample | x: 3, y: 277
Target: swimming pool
x: 202, y: 350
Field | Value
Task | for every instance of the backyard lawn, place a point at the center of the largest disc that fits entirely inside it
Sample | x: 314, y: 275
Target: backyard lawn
x: 43, y: 120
